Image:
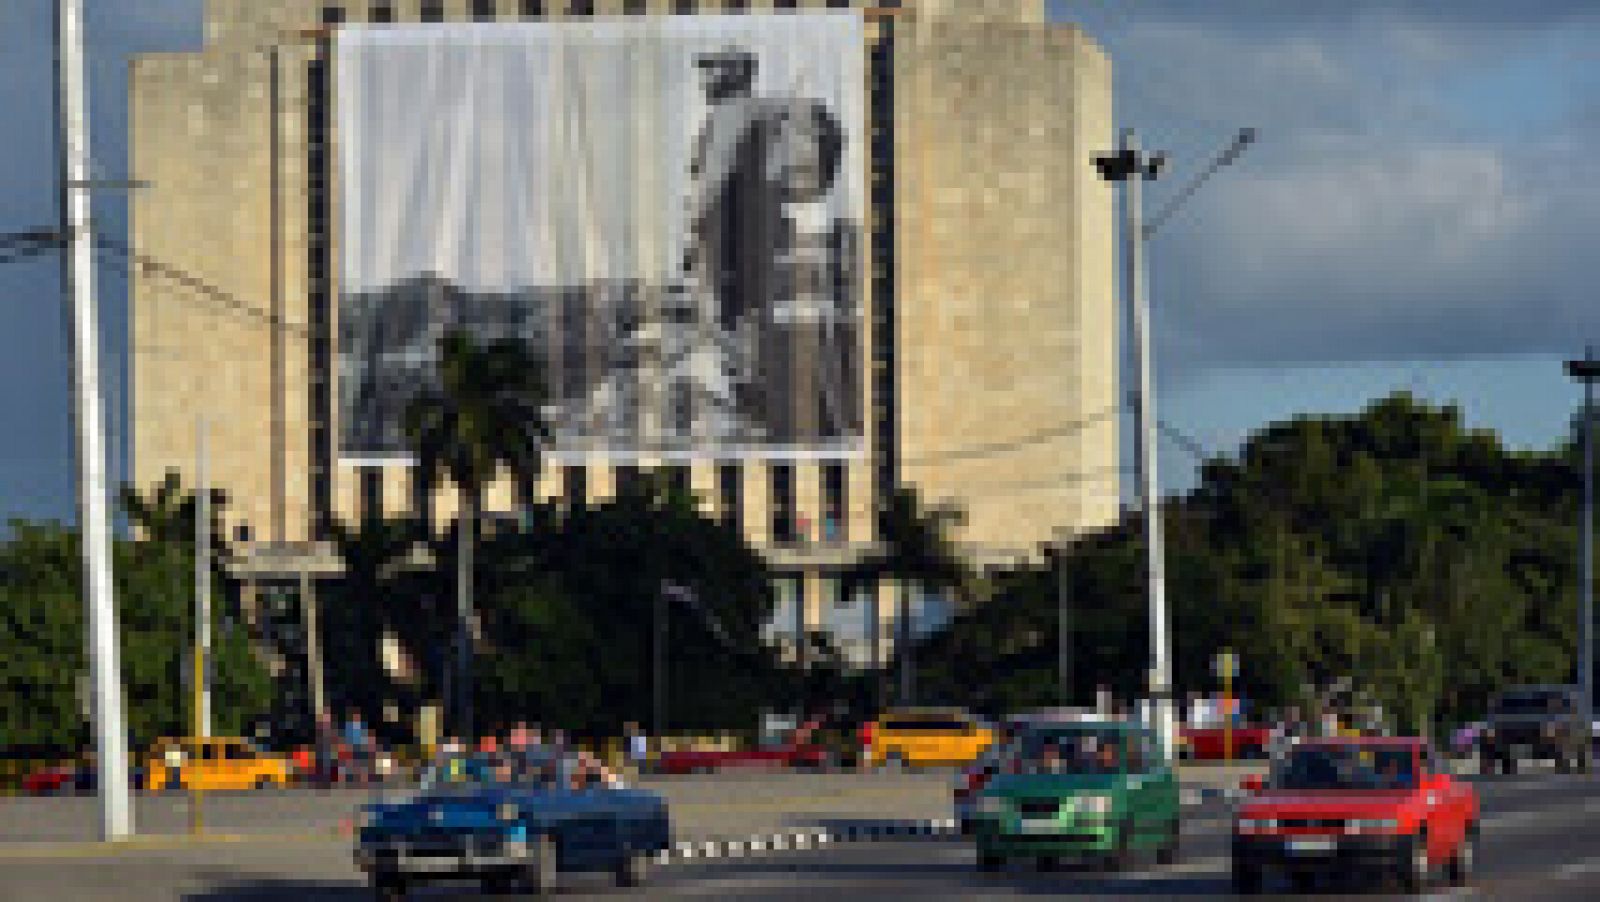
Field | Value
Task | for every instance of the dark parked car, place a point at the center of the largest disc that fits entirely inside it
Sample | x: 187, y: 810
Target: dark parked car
x: 1535, y: 722
x: 506, y: 819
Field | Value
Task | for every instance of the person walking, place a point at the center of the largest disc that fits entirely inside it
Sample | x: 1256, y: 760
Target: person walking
x: 358, y: 740
x: 638, y: 746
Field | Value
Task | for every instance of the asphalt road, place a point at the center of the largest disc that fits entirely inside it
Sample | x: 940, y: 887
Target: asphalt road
x: 714, y: 806
x: 1538, y: 842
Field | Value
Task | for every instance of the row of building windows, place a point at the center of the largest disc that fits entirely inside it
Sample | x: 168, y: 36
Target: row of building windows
x: 788, y: 524
x: 483, y: 10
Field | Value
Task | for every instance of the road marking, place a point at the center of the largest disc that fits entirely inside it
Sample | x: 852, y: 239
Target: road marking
x: 1579, y: 868
x: 152, y: 843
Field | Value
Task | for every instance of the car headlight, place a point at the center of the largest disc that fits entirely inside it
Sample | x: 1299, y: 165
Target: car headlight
x: 508, y: 812
x: 990, y: 805
x: 1372, y: 825
x: 1094, y: 804
x: 1257, y: 824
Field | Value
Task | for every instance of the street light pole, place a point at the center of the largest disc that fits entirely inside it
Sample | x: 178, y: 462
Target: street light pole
x: 1587, y: 371
x: 1131, y: 166
x: 202, y: 586
x: 110, y: 734
x: 658, y: 685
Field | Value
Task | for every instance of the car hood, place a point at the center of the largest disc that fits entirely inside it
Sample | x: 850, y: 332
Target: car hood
x: 1028, y: 785
x: 1326, y: 804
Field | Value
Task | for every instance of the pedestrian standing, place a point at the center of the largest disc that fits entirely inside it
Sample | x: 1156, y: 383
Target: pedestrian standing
x: 638, y: 746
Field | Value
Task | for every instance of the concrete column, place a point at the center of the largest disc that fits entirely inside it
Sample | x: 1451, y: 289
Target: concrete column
x: 308, y: 613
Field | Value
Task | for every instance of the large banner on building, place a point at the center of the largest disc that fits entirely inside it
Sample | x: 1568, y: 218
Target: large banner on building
x: 666, y: 211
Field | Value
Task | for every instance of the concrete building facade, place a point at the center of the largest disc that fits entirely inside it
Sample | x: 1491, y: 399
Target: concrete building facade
x: 992, y: 332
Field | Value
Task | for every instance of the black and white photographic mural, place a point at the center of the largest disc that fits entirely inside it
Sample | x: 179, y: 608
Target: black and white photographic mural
x: 668, y: 211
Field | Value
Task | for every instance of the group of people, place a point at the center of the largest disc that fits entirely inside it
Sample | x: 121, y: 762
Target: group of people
x: 348, y: 754
x: 524, y: 755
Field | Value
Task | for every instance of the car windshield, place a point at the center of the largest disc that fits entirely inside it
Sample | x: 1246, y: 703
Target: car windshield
x: 535, y: 769
x: 1532, y: 703
x: 1347, y: 767
x: 1087, y: 751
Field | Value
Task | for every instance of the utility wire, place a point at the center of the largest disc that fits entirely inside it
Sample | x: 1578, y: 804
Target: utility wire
x: 977, y: 452
x: 25, y: 253
x: 1243, y: 139
x: 150, y: 265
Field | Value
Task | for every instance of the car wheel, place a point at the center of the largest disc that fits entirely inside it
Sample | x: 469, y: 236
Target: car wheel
x: 1122, y: 858
x: 263, y: 783
x: 1168, y: 853
x: 988, y: 861
x: 633, y: 869
x: 894, y: 761
x: 1246, y: 879
x: 498, y: 884
x: 1508, y: 765
x: 1414, y: 866
x: 389, y: 889
x: 540, y: 872
x: 1045, y: 863
x: 1302, y: 881
x: 1465, y: 859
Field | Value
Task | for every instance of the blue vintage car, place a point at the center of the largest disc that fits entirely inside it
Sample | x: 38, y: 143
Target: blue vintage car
x: 508, y: 820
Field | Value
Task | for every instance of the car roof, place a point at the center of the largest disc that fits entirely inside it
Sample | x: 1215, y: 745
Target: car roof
x: 1393, y: 741
x: 1069, y: 726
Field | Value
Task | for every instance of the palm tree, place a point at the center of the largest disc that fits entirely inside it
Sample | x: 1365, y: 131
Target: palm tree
x: 486, y: 411
x: 915, y: 549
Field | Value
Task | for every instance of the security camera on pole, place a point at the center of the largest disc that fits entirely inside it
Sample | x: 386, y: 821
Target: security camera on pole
x: 1131, y: 166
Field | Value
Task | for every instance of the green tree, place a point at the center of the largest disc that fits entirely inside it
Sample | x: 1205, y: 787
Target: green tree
x: 915, y: 549
x: 485, y: 413
x: 42, y: 661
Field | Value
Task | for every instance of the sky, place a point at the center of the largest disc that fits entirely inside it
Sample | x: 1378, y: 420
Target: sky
x: 1417, y: 214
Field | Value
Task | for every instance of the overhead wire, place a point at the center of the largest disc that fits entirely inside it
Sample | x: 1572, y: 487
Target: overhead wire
x: 976, y: 452
x: 150, y: 265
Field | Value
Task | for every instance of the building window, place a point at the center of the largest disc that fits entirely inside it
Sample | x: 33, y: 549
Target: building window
x: 319, y: 303
x: 421, y: 499
x: 730, y: 493
x: 371, y: 494
x: 682, y: 7
x: 382, y: 12
x: 678, y: 480
x: 482, y: 10
x: 575, y: 485
x: 838, y: 4
x: 784, y: 4
x: 633, y: 8
x: 783, y: 513
x: 738, y: 6
x: 525, y: 489
x: 581, y: 8
x: 629, y: 480
x: 532, y: 9
x: 332, y: 15
x: 835, y: 502
x: 432, y: 11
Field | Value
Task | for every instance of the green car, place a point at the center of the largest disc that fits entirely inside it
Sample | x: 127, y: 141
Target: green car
x: 1079, y: 790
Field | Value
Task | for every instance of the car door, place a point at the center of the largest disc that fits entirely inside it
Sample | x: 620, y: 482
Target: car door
x: 1443, y: 799
x: 1140, y: 786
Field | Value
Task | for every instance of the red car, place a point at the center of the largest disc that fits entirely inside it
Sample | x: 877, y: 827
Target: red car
x: 1208, y: 743
x: 793, y: 752
x: 57, y: 778
x: 1386, y: 806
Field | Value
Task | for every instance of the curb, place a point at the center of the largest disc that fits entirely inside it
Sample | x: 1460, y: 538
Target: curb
x: 798, y: 840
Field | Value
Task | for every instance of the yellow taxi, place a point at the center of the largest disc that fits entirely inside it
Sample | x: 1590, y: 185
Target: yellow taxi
x: 921, y: 737
x: 219, y: 762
